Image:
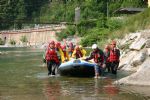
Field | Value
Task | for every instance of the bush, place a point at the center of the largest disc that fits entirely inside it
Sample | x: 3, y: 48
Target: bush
x: 12, y: 42
x: 85, y: 25
x: 94, y: 36
x: 114, y: 24
x: 23, y: 39
x: 88, y: 41
x: 1, y: 42
x: 70, y: 31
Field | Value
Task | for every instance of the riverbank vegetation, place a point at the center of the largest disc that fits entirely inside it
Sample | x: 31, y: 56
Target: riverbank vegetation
x: 98, y: 20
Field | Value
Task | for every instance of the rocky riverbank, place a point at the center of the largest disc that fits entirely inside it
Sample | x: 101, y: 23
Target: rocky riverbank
x: 135, y: 50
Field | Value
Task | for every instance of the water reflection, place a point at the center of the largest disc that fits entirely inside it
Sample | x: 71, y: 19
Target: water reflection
x: 110, y: 89
x: 66, y: 88
x: 62, y: 88
x: 51, y: 89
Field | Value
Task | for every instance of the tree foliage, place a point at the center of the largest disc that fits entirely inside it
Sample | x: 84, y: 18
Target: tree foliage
x: 15, y: 12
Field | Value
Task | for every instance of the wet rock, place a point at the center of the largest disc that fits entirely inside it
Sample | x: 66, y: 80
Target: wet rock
x: 137, y: 45
x: 141, y: 77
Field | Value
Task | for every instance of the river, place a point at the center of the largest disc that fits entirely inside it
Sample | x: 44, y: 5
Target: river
x: 24, y: 77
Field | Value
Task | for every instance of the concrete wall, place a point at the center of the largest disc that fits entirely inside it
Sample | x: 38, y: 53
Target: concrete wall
x: 35, y: 36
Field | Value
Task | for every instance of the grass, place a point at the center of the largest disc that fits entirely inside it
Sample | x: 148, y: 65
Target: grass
x: 134, y: 23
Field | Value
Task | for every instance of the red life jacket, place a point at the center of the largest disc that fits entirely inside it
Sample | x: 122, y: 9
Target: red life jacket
x: 114, y: 57
x: 52, y: 55
x: 79, y: 54
x: 98, y: 57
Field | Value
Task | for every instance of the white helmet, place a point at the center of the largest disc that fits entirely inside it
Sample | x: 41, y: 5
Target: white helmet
x: 94, y: 46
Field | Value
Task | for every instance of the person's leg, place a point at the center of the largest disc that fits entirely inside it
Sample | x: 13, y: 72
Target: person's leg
x: 101, y: 71
x: 112, y: 67
x: 55, y: 68
x: 108, y: 66
x: 49, y: 67
x: 116, y: 64
x: 97, y: 71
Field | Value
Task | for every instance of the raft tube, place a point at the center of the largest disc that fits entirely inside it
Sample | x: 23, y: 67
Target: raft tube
x: 77, y: 68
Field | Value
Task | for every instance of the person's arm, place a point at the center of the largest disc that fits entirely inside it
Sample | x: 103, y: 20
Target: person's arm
x: 118, y: 53
x: 73, y: 54
x: 61, y: 55
x: 90, y: 57
x: 102, y: 57
x: 105, y: 57
x: 46, y: 54
x: 83, y: 52
x: 68, y: 58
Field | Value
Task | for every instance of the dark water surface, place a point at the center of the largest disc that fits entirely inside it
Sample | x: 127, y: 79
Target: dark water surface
x: 24, y: 77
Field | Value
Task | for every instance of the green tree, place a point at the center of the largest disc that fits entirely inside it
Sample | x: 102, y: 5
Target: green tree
x: 133, y: 3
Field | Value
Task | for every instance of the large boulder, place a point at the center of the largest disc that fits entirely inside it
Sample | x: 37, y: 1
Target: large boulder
x: 148, y: 51
x: 137, y: 45
x: 139, y: 58
x: 147, y: 43
x: 133, y: 36
x: 129, y: 38
x: 141, y: 77
x: 125, y: 62
x: 145, y: 34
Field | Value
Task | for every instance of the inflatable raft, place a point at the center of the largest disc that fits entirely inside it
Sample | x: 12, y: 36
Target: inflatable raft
x: 77, y: 68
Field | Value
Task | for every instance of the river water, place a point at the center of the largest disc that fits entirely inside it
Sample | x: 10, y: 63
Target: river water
x: 24, y: 77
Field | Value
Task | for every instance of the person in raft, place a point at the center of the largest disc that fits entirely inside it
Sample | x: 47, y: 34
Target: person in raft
x: 59, y: 51
x: 70, y: 49
x: 114, y: 57
x: 65, y: 56
x: 77, y: 53
x: 98, y: 56
x: 52, y: 59
x: 82, y: 50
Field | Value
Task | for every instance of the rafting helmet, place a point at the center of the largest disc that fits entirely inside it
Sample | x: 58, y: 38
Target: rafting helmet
x: 77, y: 48
x: 52, y: 42
x: 58, y: 44
x: 63, y: 47
x: 80, y: 46
x: 94, y: 46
